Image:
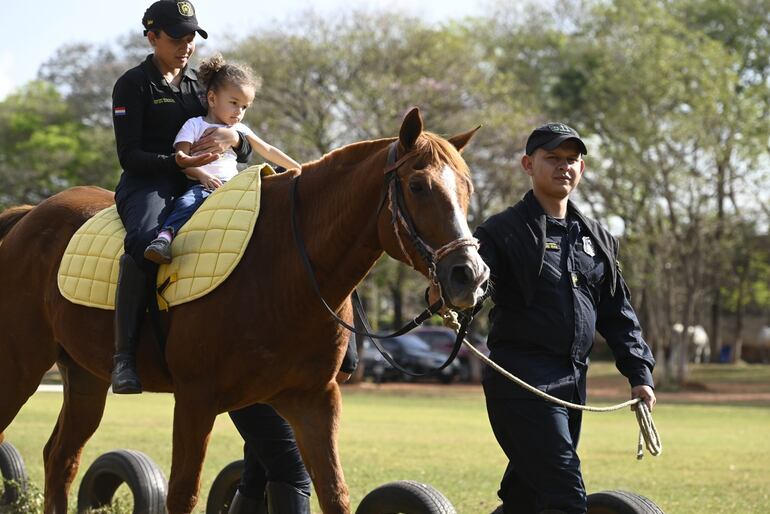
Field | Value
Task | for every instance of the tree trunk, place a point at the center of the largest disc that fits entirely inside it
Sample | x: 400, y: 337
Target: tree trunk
x: 716, y: 277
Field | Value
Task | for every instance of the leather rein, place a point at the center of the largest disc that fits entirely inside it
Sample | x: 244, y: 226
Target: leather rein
x: 394, y: 196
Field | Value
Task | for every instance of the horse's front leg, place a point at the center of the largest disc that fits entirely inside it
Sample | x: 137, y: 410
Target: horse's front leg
x: 314, y: 416
x: 194, y: 417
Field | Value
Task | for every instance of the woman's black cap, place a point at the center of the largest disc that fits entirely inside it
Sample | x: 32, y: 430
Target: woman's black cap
x: 551, y: 135
x: 175, y: 18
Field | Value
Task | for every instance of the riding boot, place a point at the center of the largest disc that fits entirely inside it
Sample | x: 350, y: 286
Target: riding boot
x: 242, y: 504
x: 130, y: 306
x: 285, y: 499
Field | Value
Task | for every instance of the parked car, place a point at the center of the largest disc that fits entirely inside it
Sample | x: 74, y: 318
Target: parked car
x: 412, y: 354
x: 442, y: 340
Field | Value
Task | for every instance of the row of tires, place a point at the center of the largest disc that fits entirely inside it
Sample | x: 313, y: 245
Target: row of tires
x: 148, y: 489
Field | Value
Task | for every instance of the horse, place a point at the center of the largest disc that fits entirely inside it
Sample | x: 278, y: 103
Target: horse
x: 261, y: 336
x: 763, y: 341
x: 699, y: 338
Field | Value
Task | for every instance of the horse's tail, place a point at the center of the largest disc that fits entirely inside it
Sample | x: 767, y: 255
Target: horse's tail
x: 11, y: 216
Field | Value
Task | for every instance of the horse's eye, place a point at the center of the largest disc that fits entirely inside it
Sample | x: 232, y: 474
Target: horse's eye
x: 416, y: 187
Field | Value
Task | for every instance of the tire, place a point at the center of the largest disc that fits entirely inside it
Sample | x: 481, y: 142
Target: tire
x: 621, y: 502
x: 405, y: 497
x: 223, y: 488
x: 12, y: 470
x: 135, y: 469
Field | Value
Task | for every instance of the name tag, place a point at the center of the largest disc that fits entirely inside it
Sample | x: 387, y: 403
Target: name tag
x: 551, y: 246
x: 163, y: 100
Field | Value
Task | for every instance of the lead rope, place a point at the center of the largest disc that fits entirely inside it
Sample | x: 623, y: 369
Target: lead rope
x: 648, y: 434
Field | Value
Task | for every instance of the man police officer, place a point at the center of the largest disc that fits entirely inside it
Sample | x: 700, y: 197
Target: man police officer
x: 555, y: 282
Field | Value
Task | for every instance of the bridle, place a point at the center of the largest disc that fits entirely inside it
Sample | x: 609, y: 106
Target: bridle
x: 393, y: 194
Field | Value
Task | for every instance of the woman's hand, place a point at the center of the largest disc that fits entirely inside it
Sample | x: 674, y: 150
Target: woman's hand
x: 208, y: 180
x: 185, y: 161
x: 216, y: 140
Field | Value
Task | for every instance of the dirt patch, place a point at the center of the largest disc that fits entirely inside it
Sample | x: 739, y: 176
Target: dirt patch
x: 600, y: 389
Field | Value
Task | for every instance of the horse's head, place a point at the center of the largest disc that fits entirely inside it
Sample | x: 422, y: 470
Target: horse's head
x: 429, y: 188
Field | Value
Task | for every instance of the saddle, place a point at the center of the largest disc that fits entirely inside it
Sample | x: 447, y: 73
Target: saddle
x: 204, y: 252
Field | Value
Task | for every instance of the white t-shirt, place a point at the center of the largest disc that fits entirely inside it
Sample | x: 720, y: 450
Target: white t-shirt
x: 224, y: 168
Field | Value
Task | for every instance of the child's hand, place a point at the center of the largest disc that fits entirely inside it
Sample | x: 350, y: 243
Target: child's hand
x: 208, y: 180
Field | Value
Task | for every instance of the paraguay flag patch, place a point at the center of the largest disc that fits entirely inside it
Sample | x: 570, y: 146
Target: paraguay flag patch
x: 119, y: 111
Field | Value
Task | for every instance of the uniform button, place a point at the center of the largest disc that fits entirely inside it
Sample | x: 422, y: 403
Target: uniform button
x: 574, y: 279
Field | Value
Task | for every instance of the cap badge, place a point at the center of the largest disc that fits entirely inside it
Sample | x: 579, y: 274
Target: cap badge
x: 588, y: 246
x: 185, y: 8
x: 559, y: 128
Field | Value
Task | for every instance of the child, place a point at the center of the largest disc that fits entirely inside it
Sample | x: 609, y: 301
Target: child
x: 230, y: 89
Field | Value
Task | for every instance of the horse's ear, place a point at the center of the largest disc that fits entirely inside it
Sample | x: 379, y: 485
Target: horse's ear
x: 411, y: 128
x: 460, y: 140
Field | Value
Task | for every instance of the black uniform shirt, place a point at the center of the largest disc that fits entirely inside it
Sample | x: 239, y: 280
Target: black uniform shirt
x: 545, y: 335
x: 147, y: 114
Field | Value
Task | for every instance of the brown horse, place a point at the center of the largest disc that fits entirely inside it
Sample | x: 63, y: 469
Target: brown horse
x: 262, y: 336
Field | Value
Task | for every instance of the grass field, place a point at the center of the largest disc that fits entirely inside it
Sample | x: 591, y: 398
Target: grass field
x: 716, y: 457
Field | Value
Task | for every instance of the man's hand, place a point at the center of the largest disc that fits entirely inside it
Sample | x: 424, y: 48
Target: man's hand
x: 647, y: 395
x: 185, y: 161
x: 216, y: 140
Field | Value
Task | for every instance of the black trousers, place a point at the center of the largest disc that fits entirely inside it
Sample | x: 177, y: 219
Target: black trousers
x: 143, y: 204
x: 540, y: 440
x: 270, y: 451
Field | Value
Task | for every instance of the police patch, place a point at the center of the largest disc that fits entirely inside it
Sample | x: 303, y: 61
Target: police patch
x: 185, y: 8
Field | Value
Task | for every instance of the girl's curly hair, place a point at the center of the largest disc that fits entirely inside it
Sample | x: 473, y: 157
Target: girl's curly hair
x: 215, y: 72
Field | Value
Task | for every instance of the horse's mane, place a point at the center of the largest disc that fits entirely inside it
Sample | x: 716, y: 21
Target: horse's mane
x: 429, y: 145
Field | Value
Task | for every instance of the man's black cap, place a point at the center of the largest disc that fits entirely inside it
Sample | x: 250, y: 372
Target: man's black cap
x: 551, y: 135
x: 175, y: 18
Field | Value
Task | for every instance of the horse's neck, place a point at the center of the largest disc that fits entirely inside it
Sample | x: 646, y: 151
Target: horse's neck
x: 339, y: 198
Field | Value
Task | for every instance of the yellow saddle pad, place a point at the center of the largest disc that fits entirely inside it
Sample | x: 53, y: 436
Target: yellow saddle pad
x: 204, y: 253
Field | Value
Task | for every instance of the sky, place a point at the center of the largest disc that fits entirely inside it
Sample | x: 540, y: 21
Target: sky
x: 34, y: 29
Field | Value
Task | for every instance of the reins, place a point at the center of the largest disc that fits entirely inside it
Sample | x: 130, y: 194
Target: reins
x: 393, y: 194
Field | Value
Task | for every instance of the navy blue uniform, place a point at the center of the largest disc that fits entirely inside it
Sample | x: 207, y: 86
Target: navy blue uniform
x: 556, y: 283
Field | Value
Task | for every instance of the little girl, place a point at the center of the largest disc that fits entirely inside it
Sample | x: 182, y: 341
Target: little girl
x: 230, y: 89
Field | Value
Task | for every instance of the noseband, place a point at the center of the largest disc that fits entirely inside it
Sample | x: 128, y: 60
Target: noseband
x: 395, y: 196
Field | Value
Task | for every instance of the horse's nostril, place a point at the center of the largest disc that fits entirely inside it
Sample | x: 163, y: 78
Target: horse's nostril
x: 462, y: 275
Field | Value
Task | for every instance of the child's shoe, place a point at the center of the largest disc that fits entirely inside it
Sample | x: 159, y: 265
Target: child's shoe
x: 158, y: 251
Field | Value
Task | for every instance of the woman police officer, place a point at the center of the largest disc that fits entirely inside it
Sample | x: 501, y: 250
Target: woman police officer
x: 151, y: 102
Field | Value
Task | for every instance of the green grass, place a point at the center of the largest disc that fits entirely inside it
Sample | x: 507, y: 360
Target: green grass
x: 714, y: 459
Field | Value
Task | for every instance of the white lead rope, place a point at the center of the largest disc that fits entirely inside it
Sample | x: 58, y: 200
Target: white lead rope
x: 648, y: 434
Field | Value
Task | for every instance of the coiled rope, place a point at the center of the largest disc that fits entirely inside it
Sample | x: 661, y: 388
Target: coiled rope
x: 648, y: 434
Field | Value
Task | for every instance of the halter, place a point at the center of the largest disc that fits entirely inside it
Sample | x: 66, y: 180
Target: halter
x: 395, y: 195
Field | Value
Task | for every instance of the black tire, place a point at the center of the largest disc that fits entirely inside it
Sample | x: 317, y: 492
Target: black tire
x: 223, y: 488
x: 405, y: 497
x: 14, y: 474
x: 135, y: 469
x: 621, y: 502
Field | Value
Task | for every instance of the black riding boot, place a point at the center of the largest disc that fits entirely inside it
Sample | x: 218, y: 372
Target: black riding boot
x: 130, y: 306
x: 285, y: 499
x: 244, y: 505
